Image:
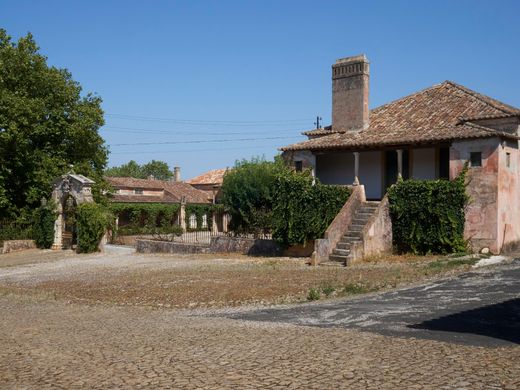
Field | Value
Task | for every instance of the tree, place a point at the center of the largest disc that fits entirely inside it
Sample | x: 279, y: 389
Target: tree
x: 158, y: 169
x: 247, y: 192
x: 46, y: 126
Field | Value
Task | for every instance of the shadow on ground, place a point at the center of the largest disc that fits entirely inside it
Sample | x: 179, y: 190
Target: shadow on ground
x: 499, y: 321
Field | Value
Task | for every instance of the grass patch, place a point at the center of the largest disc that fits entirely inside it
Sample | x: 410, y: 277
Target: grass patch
x: 328, y: 290
x: 443, y: 265
x: 355, y: 288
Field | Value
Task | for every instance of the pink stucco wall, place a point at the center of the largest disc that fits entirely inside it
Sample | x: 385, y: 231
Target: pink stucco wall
x: 481, y: 226
x: 493, y: 214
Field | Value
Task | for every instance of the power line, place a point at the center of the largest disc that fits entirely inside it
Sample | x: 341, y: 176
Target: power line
x: 200, y: 141
x: 204, y: 122
x: 191, y: 150
x: 122, y: 129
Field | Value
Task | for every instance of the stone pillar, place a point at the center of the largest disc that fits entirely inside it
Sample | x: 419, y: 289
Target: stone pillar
x: 399, y: 164
x: 182, y: 216
x: 214, y: 225
x: 356, y: 169
x: 58, y: 233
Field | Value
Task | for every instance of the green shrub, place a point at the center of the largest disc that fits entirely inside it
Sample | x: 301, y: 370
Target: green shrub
x: 43, y: 225
x: 15, y: 230
x: 92, y: 221
x: 313, y: 295
x: 428, y: 216
x: 303, y: 210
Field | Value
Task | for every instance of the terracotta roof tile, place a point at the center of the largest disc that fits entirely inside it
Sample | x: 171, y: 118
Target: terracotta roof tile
x: 215, y: 176
x: 433, y: 114
x: 173, y: 191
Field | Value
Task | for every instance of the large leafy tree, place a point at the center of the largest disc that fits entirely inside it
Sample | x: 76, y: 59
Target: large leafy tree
x: 158, y: 169
x: 46, y: 126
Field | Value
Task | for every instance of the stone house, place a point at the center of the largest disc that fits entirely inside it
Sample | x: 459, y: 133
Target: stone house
x: 210, y: 182
x: 132, y: 190
x: 428, y: 135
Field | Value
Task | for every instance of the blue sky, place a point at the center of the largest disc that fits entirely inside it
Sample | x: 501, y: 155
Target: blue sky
x: 253, y: 74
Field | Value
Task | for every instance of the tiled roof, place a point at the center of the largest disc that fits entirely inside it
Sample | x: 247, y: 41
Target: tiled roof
x: 173, y: 191
x: 215, y: 176
x: 433, y: 114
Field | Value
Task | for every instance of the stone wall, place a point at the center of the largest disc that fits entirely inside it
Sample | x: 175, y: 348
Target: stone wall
x: 152, y: 246
x: 17, y: 245
x: 246, y: 246
x: 376, y: 237
x: 324, y: 247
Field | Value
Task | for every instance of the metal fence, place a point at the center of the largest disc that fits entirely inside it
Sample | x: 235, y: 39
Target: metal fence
x: 10, y: 230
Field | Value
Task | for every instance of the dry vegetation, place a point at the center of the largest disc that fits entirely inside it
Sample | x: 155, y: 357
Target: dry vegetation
x: 233, y: 281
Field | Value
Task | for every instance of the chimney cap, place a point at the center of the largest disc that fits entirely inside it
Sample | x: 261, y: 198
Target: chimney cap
x: 352, y: 60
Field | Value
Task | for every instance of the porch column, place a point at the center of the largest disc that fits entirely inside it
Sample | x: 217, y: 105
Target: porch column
x: 356, y: 169
x: 399, y: 163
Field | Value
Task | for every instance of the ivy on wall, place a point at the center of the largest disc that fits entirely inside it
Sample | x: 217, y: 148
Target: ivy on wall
x: 199, y: 210
x: 428, y: 215
x: 302, y: 210
x: 146, y: 218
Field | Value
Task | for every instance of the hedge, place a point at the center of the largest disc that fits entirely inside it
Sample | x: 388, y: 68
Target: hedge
x: 428, y: 216
x: 303, y: 210
x: 92, y: 221
x: 146, y: 218
x: 43, y: 225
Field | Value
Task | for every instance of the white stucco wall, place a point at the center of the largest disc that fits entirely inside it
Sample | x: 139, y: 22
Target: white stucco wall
x: 423, y: 164
x: 338, y: 168
x: 370, y: 174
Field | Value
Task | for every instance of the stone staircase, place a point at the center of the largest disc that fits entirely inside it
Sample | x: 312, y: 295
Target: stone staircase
x: 341, y: 254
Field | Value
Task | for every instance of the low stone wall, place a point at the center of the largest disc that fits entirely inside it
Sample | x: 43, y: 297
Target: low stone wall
x: 376, y: 237
x: 247, y: 246
x: 152, y: 246
x: 323, y: 247
x: 17, y: 245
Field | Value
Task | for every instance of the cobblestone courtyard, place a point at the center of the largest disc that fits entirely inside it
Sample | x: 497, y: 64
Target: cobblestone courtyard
x: 55, y: 343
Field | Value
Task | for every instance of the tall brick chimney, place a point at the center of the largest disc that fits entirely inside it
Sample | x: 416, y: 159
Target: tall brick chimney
x: 350, y: 78
x: 176, y: 174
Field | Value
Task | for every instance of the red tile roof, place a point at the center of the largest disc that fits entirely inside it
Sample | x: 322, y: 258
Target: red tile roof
x: 434, y: 114
x: 173, y: 191
x: 215, y: 176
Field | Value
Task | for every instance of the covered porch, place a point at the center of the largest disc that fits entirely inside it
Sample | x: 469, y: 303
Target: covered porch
x: 377, y: 169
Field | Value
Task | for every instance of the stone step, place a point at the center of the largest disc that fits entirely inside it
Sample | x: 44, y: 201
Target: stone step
x: 355, y: 228
x: 359, y: 221
x: 339, y: 259
x: 373, y: 203
x: 351, y: 234
x: 349, y: 242
x: 343, y: 245
x: 341, y: 252
x: 332, y: 264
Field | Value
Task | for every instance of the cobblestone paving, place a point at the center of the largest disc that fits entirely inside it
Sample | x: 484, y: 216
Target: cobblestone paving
x: 51, y: 344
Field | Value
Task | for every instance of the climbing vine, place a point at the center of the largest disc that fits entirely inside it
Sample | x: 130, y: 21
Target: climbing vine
x: 303, y: 209
x: 199, y: 210
x: 145, y: 218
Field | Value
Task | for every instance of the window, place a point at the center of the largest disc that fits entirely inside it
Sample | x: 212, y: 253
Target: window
x: 204, y: 221
x: 508, y: 159
x: 193, y: 221
x: 138, y: 191
x: 475, y: 159
x: 298, y: 166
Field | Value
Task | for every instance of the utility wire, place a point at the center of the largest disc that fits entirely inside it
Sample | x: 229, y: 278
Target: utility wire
x: 192, y: 150
x: 200, y: 141
x: 121, y: 129
x: 205, y: 122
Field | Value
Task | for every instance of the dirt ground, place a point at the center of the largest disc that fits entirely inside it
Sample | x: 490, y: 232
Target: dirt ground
x: 186, y: 281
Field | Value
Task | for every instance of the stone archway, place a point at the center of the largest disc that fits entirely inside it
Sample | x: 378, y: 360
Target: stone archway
x: 68, y: 190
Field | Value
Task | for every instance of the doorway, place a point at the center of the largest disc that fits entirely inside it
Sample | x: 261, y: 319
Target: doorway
x: 390, y: 163
x: 69, y: 232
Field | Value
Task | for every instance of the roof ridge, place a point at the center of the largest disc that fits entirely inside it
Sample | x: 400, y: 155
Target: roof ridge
x: 484, y: 98
x: 431, y: 87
